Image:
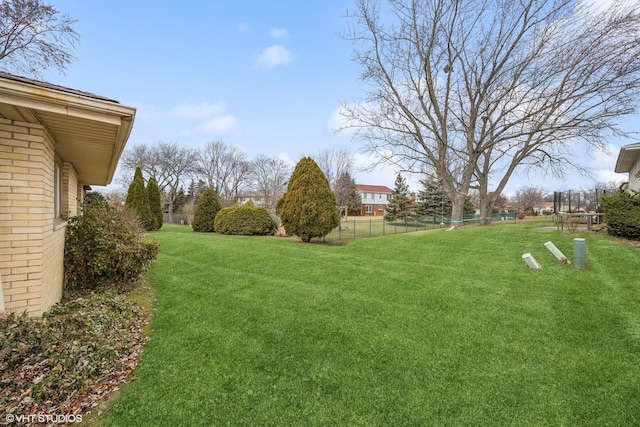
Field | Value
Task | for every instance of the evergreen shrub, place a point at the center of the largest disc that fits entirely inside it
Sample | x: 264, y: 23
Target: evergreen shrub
x: 206, y: 209
x: 138, y: 201
x: 103, y: 249
x: 155, y: 203
x: 308, y: 208
x: 244, y: 220
x: 622, y: 214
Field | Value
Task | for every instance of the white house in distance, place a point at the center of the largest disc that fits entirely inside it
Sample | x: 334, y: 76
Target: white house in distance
x: 629, y: 162
x: 255, y: 197
x: 374, y: 199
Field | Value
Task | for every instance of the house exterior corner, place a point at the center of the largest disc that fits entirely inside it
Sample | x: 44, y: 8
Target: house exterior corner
x: 47, y: 155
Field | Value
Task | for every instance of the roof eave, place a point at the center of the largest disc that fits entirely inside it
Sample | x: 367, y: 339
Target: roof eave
x: 627, y: 156
x: 59, y: 102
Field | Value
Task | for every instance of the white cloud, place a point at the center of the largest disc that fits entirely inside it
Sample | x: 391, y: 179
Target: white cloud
x: 609, y: 176
x: 336, y: 120
x: 200, y: 111
x: 278, y: 33
x: 605, y: 159
x: 213, y: 119
x: 218, y: 125
x: 340, y: 123
x: 273, y: 56
x: 369, y: 172
x: 285, y: 157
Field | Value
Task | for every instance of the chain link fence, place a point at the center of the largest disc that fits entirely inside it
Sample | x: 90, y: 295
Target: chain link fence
x: 363, y: 227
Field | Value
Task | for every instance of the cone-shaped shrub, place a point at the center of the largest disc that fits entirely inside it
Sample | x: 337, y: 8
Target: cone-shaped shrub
x: 154, y: 201
x: 207, y: 207
x: 308, y: 207
x: 138, y: 201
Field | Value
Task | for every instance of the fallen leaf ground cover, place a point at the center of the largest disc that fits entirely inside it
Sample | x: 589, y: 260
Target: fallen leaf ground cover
x: 72, y: 359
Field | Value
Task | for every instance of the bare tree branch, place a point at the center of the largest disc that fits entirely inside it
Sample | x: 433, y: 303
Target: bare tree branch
x: 34, y: 37
x: 476, y: 90
x: 269, y: 177
x: 334, y: 162
x: 224, y: 168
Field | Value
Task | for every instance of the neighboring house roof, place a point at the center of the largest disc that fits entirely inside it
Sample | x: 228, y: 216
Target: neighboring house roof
x: 627, y: 157
x: 374, y: 188
x: 90, y: 131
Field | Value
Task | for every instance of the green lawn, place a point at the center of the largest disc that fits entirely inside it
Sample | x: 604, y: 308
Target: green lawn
x: 425, y: 328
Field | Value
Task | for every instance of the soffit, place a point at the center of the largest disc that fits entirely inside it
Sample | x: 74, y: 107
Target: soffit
x: 89, y: 131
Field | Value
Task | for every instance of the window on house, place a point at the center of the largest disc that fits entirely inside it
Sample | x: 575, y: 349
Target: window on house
x: 388, y: 196
x: 380, y: 207
x: 57, y: 187
x: 368, y: 209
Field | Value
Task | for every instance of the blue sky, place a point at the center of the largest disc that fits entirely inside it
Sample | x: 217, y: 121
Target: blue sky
x: 266, y: 76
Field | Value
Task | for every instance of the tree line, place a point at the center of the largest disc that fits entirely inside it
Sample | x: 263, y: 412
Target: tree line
x: 468, y: 92
x: 182, y: 173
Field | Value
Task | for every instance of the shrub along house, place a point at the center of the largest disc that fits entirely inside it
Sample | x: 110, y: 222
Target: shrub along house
x: 629, y: 161
x: 54, y: 143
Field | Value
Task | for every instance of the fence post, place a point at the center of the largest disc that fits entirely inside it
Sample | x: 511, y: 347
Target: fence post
x: 579, y: 253
x: 354, y: 229
x: 383, y: 223
x: 370, y: 226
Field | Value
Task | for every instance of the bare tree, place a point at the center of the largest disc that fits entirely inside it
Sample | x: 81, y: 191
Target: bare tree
x: 269, y: 177
x: 529, y: 197
x: 475, y: 90
x: 223, y: 168
x: 334, y: 162
x: 167, y: 162
x: 34, y: 36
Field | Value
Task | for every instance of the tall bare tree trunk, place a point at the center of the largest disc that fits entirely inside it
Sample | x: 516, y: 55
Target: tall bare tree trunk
x: 457, y: 210
x: 486, y: 207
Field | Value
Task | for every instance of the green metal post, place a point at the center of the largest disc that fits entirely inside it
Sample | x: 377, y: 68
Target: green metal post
x: 579, y: 253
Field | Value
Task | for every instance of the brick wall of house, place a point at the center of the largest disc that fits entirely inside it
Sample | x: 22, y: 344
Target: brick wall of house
x: 53, y: 274
x: 31, y: 240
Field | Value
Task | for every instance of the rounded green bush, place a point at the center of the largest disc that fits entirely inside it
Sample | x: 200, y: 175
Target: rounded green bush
x: 245, y: 221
